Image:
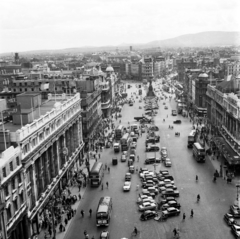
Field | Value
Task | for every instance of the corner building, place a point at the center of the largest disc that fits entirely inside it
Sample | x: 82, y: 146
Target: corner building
x: 49, y: 135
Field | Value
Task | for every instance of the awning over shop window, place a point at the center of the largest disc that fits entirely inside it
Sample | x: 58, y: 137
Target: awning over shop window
x: 230, y: 155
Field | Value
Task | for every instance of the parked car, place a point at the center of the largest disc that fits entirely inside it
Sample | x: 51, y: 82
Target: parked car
x: 147, y: 206
x: 165, y: 107
x: 229, y: 219
x: 126, y: 186
x: 170, y: 192
x: 171, y: 211
x: 177, y: 121
x: 236, y: 230
x: 235, y: 211
x: 148, y: 215
x: 142, y: 197
x: 171, y: 204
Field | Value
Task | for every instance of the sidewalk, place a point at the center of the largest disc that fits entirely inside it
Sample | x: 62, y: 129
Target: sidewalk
x: 218, y: 162
x: 74, y: 191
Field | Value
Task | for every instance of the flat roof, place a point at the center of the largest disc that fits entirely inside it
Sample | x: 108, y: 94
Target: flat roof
x: 44, y: 108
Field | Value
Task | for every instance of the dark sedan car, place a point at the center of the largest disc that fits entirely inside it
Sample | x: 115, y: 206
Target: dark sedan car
x: 177, y: 121
x: 148, y: 215
x: 170, y: 192
x: 171, y: 211
x: 235, y: 211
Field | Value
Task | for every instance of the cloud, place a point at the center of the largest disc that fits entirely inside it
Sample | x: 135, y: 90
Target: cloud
x: 47, y: 23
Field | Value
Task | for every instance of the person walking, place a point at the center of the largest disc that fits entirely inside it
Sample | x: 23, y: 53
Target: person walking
x: 138, y: 158
x: 102, y: 186
x: 107, y: 184
x: 108, y: 169
x: 191, y: 213
x: 184, y: 216
x: 196, y: 178
x: 90, y: 212
x: 79, y: 196
x: 82, y: 213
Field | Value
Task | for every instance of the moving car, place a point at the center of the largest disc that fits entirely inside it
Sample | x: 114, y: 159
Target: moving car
x: 171, y: 211
x: 168, y: 162
x: 170, y: 192
x: 104, y: 235
x: 128, y: 177
x: 123, y: 158
x: 147, y: 206
x: 131, y: 169
x: 177, y: 121
x: 148, y: 215
x: 126, y: 186
x: 154, y: 128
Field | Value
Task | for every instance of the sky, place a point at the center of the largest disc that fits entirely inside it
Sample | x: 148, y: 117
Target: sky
x: 58, y: 24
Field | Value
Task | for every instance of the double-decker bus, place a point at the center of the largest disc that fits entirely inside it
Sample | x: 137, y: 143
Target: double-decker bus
x: 119, y: 132
x: 104, y: 211
x: 96, y: 174
x: 198, y: 152
x: 192, y: 138
x: 125, y: 142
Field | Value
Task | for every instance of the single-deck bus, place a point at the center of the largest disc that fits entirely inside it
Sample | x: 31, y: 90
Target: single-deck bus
x: 198, y: 152
x: 104, y: 211
x: 96, y: 174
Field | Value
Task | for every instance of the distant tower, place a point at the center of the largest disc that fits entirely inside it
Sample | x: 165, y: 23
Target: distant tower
x: 16, y: 58
x: 130, y: 48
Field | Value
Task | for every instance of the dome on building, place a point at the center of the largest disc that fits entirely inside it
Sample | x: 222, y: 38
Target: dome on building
x: 109, y: 68
x: 205, y: 75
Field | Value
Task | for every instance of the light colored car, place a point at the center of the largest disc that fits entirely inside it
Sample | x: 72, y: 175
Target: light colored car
x: 168, y: 162
x: 147, y: 206
x: 142, y: 197
x: 148, y: 199
x: 126, y: 186
x: 123, y: 158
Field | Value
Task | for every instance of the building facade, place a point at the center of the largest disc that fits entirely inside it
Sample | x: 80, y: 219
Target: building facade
x: 49, y: 138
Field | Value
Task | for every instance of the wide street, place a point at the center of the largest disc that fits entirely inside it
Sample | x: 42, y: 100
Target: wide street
x: 208, y: 213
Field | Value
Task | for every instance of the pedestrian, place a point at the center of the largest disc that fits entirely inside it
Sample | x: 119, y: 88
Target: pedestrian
x: 196, y: 178
x: 90, y: 212
x: 138, y: 158
x: 85, y: 233
x: 79, y: 196
x: 191, y: 213
x: 99, y: 155
x: 79, y: 187
x: 107, y: 184
x: 109, y: 169
x: 82, y: 213
x: 66, y: 221
x: 61, y: 227
x: 184, y: 216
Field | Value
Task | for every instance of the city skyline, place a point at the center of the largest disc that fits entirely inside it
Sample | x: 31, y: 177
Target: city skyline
x: 44, y: 25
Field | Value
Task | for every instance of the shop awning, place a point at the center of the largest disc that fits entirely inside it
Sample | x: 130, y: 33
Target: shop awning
x: 230, y: 155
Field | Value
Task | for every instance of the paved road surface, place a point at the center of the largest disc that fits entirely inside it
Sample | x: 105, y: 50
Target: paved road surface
x: 208, y: 213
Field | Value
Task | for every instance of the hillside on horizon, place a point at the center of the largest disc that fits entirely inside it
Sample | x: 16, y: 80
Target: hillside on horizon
x: 201, y: 39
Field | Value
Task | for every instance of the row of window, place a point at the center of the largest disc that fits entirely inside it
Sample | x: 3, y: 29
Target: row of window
x: 15, y: 181
x: 4, y: 170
